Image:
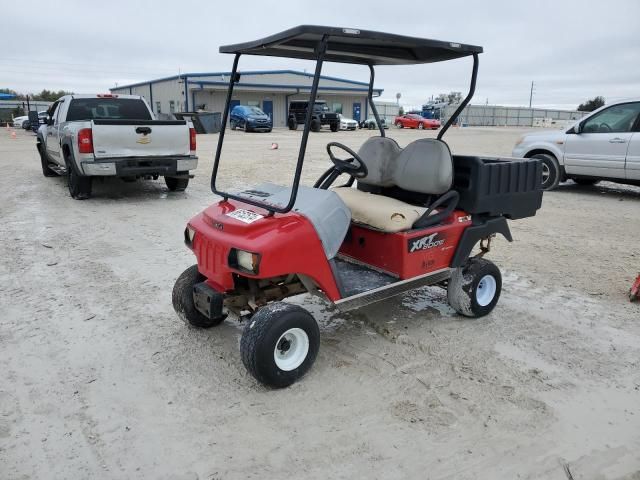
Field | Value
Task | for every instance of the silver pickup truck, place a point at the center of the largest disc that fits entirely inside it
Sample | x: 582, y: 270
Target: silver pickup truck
x: 88, y: 136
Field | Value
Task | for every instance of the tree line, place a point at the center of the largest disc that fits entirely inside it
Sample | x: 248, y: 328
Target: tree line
x: 44, y: 96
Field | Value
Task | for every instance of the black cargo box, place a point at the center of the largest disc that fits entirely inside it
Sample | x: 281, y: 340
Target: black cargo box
x: 498, y: 186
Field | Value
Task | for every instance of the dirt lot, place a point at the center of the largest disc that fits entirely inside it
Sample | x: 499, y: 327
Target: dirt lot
x: 101, y: 380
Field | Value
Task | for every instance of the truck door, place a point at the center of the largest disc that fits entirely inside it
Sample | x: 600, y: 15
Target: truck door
x: 600, y: 149
x: 52, y: 138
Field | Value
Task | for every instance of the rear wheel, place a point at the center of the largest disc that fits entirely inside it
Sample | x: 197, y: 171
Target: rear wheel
x: 474, y: 289
x: 279, y: 344
x: 182, y: 299
x: 371, y: 126
x: 334, y: 127
x: 79, y: 186
x: 315, y: 125
x: 292, y: 124
x: 551, y: 172
x: 586, y: 181
x: 399, y: 125
x: 176, y: 184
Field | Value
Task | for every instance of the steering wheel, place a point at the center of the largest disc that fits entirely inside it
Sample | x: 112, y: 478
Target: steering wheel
x: 604, y: 128
x: 353, y: 166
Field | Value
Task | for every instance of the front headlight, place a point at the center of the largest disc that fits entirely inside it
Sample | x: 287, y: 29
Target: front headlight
x: 244, y: 260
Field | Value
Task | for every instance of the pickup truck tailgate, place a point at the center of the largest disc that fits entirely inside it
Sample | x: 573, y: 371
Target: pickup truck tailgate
x: 140, y: 138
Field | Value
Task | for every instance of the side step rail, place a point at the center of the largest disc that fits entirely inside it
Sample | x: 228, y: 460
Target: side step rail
x: 58, y: 169
x: 391, y: 290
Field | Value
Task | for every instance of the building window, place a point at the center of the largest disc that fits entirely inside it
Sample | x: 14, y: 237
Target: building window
x: 252, y: 103
x: 158, y: 108
x: 337, y: 107
x: 172, y: 106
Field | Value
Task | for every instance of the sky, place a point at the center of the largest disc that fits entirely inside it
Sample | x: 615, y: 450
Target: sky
x: 572, y: 50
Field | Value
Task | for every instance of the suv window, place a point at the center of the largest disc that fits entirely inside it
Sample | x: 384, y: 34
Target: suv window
x: 107, y: 108
x: 615, y: 119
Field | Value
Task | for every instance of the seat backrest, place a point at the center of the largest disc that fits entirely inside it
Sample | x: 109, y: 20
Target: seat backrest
x: 423, y: 166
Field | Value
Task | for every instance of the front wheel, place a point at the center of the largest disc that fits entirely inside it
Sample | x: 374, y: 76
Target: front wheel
x: 474, y: 289
x: 421, y: 126
x: 551, y: 172
x: 334, y: 127
x: 292, y: 124
x: 399, y: 125
x: 182, y: 299
x: 279, y: 344
x: 176, y: 184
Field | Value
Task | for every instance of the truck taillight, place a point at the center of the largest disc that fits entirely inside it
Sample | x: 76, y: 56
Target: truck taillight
x: 192, y: 139
x: 85, y: 141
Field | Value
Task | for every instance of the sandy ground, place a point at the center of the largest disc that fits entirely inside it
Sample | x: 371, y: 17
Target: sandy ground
x: 101, y: 380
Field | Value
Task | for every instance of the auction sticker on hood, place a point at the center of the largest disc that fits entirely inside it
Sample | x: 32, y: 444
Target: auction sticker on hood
x: 246, y: 216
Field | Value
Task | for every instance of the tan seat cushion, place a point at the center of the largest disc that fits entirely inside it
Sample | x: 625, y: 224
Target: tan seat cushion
x: 380, y: 212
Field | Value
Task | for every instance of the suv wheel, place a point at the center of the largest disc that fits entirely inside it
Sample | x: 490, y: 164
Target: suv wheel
x: 334, y: 127
x: 292, y: 124
x: 550, y: 171
x: 315, y: 125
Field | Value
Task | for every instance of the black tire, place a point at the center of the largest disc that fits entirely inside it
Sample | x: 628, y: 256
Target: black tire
x: 474, y: 289
x: 232, y: 125
x: 399, y: 125
x: 246, y: 127
x: 46, y: 171
x: 79, y: 185
x: 182, y: 299
x: 334, y: 127
x: 176, y: 184
x: 292, y: 124
x: 315, y: 125
x: 371, y: 126
x: 269, y: 131
x: 586, y: 181
x: 421, y: 126
x: 25, y: 125
x: 265, y: 333
x: 551, y: 172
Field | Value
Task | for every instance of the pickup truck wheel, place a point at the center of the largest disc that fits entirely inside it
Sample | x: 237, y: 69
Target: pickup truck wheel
x: 46, y: 171
x: 279, y: 344
x: 550, y: 171
x: 182, y: 299
x: 176, y: 184
x: 79, y: 186
x: 474, y: 288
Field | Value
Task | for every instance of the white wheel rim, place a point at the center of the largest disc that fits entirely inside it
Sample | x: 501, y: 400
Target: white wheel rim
x: 291, y: 349
x: 486, y: 290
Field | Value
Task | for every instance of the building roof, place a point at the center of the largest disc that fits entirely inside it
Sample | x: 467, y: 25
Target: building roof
x: 192, y: 79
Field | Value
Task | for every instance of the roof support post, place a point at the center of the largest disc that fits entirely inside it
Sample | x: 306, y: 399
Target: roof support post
x: 234, y: 78
x: 467, y: 99
x: 370, y: 98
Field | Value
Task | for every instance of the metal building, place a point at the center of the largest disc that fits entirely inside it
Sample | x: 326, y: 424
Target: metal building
x: 496, y: 115
x: 271, y: 90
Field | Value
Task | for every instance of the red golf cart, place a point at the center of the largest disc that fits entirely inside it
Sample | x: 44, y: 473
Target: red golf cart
x: 406, y: 217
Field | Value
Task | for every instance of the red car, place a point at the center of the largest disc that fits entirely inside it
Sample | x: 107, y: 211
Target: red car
x: 411, y: 120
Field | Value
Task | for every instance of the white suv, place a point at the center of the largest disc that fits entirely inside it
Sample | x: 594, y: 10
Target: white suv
x: 605, y: 145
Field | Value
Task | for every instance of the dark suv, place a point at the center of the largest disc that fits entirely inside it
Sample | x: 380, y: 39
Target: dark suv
x: 250, y: 119
x: 322, y: 115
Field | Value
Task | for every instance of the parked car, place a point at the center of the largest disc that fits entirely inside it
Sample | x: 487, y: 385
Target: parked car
x: 21, y: 122
x: 605, y: 145
x: 250, y: 118
x: 322, y: 115
x: 88, y: 136
x: 370, y: 123
x: 412, y: 120
x: 347, y: 123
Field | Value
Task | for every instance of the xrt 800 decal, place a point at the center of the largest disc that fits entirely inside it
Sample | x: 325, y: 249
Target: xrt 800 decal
x: 425, y: 243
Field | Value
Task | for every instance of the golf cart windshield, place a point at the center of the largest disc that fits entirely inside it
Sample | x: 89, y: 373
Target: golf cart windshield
x: 341, y: 45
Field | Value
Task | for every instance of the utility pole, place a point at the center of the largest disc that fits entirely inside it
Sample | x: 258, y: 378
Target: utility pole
x: 531, y: 94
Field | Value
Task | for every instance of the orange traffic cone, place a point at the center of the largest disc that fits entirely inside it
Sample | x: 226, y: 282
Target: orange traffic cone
x: 274, y: 146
